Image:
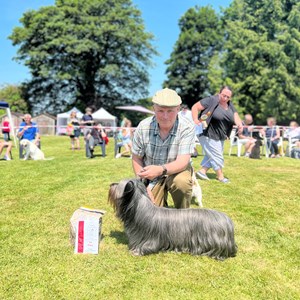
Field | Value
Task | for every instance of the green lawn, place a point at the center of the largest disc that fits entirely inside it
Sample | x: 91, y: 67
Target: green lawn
x: 37, y: 261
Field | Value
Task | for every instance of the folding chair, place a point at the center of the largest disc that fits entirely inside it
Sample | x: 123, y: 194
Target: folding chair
x: 291, y: 144
x: 235, y: 142
x: 90, y: 153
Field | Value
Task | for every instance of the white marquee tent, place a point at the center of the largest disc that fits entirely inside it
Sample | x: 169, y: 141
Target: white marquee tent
x: 105, y: 118
x: 62, y: 120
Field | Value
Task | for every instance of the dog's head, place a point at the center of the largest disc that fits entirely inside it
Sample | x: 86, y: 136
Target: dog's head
x: 117, y: 191
x: 24, y: 143
x: 125, y: 192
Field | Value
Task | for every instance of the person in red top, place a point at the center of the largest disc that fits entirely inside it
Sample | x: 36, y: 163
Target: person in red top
x: 6, y: 129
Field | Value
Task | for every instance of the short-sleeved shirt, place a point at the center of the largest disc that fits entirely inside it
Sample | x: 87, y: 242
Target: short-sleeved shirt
x: 246, y: 131
x: 186, y: 114
x: 221, y: 121
x: 5, y: 128
x: 271, y: 132
x: 31, y: 132
x: 148, y: 144
x: 87, y: 118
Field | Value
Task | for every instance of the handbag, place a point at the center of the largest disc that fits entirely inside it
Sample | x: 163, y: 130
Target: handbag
x: 106, y: 140
x: 70, y: 129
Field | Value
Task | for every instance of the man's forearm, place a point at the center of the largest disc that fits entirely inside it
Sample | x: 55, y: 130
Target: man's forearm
x: 137, y: 164
x: 178, y: 165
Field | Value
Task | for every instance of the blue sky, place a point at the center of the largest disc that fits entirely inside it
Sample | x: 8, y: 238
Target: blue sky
x: 160, y: 17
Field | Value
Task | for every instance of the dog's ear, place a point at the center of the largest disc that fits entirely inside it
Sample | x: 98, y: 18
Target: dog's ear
x: 129, y: 188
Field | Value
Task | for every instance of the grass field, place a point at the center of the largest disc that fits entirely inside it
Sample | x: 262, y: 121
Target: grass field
x: 37, y: 261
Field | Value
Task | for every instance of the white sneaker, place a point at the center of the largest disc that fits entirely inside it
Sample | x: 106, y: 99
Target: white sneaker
x: 118, y: 155
x: 6, y: 157
x: 201, y: 176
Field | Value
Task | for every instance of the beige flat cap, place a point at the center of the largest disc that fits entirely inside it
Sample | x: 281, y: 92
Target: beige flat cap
x: 166, y: 97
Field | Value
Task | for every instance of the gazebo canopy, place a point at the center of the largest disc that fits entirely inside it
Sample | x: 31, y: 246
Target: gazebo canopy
x: 137, y: 108
x: 62, y: 119
x: 104, y: 117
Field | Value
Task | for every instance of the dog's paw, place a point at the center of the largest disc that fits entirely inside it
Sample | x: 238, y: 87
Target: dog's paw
x: 136, y: 252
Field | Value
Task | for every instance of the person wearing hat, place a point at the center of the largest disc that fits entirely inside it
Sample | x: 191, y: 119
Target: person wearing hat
x: 161, y: 150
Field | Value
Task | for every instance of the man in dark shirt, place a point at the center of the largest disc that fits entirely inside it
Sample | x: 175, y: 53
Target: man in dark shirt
x: 87, y: 121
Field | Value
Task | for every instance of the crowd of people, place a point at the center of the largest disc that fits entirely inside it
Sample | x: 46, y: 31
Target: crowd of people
x: 162, y: 145
x: 212, y: 118
x: 93, y: 134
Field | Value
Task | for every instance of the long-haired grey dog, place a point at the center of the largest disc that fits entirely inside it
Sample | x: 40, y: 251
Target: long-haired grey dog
x: 151, y: 229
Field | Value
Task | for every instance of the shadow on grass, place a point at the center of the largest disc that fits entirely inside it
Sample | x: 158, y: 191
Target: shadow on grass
x: 120, y: 237
x: 98, y: 155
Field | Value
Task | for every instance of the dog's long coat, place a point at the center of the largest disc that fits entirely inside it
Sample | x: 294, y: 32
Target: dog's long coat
x: 151, y: 229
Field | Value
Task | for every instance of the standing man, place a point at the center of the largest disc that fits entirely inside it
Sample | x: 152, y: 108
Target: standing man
x: 161, y: 151
x: 87, y: 121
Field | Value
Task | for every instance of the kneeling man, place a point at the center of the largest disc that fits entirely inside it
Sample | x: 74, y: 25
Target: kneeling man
x: 161, y: 151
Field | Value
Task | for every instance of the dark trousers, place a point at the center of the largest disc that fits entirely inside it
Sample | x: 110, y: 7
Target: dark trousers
x: 6, y: 136
x: 273, y: 146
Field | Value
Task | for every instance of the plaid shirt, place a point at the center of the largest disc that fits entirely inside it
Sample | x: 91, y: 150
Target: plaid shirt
x: 148, y: 144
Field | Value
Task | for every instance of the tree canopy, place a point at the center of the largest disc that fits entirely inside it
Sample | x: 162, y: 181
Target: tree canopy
x: 84, y: 53
x: 261, y: 57
x: 256, y: 50
x: 199, y: 40
x: 13, y: 95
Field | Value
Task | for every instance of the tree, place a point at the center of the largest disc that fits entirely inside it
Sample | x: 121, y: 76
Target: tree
x: 83, y: 53
x: 12, y: 94
x: 261, y: 57
x: 199, y: 40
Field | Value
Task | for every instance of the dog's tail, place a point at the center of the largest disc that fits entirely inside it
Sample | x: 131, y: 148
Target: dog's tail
x: 49, y: 158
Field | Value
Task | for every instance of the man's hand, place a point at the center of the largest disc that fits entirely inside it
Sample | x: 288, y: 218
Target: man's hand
x: 240, y: 128
x: 150, y: 172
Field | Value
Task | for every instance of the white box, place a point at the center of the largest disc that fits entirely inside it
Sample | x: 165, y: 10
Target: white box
x: 85, y: 230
